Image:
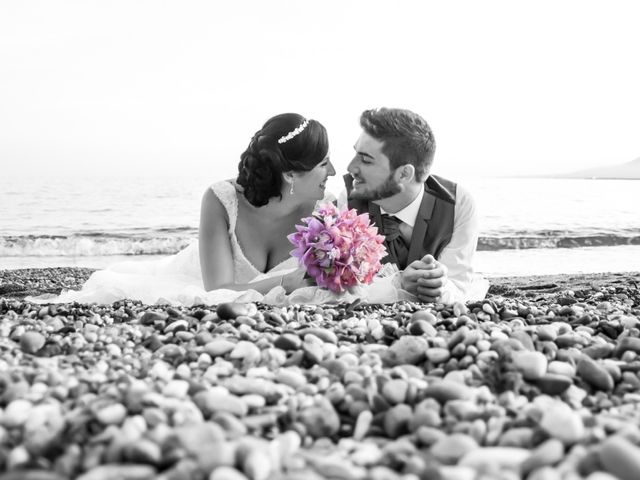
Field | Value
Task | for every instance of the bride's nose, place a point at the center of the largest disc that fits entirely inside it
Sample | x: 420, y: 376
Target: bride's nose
x: 332, y: 171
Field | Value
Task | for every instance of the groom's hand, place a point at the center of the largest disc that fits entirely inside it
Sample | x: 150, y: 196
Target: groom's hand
x: 425, y: 278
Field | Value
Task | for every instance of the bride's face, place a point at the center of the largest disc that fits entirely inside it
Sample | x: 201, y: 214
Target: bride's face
x: 312, y: 184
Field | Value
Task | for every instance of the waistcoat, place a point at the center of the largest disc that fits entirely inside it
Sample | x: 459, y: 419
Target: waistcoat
x: 434, y: 224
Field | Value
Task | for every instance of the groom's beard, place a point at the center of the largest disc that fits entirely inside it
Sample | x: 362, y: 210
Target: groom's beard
x: 388, y: 189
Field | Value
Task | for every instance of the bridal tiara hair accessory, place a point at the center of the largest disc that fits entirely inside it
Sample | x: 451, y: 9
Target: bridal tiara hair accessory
x: 293, y: 133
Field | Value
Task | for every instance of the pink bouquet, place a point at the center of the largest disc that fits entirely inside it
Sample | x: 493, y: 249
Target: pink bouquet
x: 338, y: 247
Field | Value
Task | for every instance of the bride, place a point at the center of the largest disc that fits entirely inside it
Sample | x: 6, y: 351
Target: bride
x: 244, y: 224
x: 242, y: 252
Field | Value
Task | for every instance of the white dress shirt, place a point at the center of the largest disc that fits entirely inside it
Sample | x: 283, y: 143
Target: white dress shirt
x: 457, y: 257
x: 407, y: 216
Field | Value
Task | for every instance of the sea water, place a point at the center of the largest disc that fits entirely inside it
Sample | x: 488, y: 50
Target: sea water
x: 528, y: 225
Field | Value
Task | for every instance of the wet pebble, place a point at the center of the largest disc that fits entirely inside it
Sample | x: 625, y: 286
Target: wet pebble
x: 620, y: 457
x: 395, y: 391
x: 218, y: 347
x: 488, y: 458
x: 363, y: 423
x: 16, y: 413
x: 32, y: 341
x: 562, y: 422
x: 547, y: 453
x: 226, y: 473
x: 231, y: 310
x: 561, y: 368
x: 113, y: 414
x: 288, y: 341
x: 594, y: 374
x: 424, y: 315
x: 553, y: 384
x: 120, y: 471
x: 438, y: 355
x: 212, y: 401
x: 532, y: 365
x: 445, y: 390
x: 396, y: 420
x: 451, y: 448
x: 320, y: 420
x: 409, y: 350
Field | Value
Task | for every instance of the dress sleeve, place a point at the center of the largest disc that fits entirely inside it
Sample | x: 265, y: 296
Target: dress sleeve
x: 458, y: 255
x: 329, y: 197
x: 342, y: 198
x: 226, y: 193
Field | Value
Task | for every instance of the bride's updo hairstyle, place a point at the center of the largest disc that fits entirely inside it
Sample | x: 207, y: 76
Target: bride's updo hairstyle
x: 287, y: 142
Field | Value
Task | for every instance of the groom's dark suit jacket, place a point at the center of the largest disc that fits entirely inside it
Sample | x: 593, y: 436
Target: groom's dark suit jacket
x: 434, y: 224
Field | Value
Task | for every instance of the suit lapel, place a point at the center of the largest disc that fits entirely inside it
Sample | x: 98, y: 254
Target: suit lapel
x: 374, y: 213
x: 416, y: 249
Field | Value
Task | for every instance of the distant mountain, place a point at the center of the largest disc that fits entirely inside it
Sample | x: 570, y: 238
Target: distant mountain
x: 629, y: 171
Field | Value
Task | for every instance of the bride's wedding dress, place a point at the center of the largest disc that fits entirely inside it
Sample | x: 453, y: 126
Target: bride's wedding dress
x: 177, y: 279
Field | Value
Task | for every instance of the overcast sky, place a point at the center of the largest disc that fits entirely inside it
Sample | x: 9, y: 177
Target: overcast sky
x: 178, y: 87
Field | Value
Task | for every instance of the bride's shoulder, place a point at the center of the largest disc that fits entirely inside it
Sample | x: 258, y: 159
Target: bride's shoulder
x: 223, y: 185
x: 225, y: 190
x: 216, y: 202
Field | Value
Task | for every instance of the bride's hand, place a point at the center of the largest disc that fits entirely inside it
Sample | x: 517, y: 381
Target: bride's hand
x: 293, y: 280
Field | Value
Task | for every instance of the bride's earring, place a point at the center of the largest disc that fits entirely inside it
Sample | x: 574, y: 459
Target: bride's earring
x: 291, y: 189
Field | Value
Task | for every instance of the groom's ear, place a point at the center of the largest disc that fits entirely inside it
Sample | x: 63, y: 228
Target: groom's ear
x: 405, y: 173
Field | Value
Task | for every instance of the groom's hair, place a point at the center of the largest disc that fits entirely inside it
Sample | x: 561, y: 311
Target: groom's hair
x: 285, y: 143
x: 406, y: 136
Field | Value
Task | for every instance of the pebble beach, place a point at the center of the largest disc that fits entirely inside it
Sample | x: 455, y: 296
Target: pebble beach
x: 540, y: 381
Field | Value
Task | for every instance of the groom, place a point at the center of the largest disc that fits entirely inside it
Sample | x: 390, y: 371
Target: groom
x: 430, y: 223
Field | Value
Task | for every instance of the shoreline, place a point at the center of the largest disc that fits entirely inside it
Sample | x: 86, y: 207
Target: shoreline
x: 19, y: 283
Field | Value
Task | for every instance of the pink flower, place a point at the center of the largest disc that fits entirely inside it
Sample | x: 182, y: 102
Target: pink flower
x: 338, y: 248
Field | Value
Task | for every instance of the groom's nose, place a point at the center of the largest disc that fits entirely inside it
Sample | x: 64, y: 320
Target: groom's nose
x: 351, y: 167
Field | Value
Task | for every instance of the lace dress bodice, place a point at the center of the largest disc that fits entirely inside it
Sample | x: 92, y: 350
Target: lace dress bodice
x: 244, y: 270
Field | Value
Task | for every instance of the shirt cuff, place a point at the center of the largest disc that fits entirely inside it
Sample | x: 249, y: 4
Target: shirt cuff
x: 451, y: 294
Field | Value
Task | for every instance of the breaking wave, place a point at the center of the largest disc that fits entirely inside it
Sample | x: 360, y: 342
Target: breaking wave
x: 558, y: 239
x: 165, y: 241
x: 171, y: 240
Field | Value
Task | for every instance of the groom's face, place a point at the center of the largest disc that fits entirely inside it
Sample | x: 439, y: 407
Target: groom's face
x: 373, y: 178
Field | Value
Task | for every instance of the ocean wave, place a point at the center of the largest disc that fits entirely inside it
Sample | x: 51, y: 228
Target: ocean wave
x: 557, y: 239
x: 167, y: 241
x: 91, y: 245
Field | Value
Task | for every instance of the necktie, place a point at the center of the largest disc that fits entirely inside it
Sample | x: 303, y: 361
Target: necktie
x: 398, y: 247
